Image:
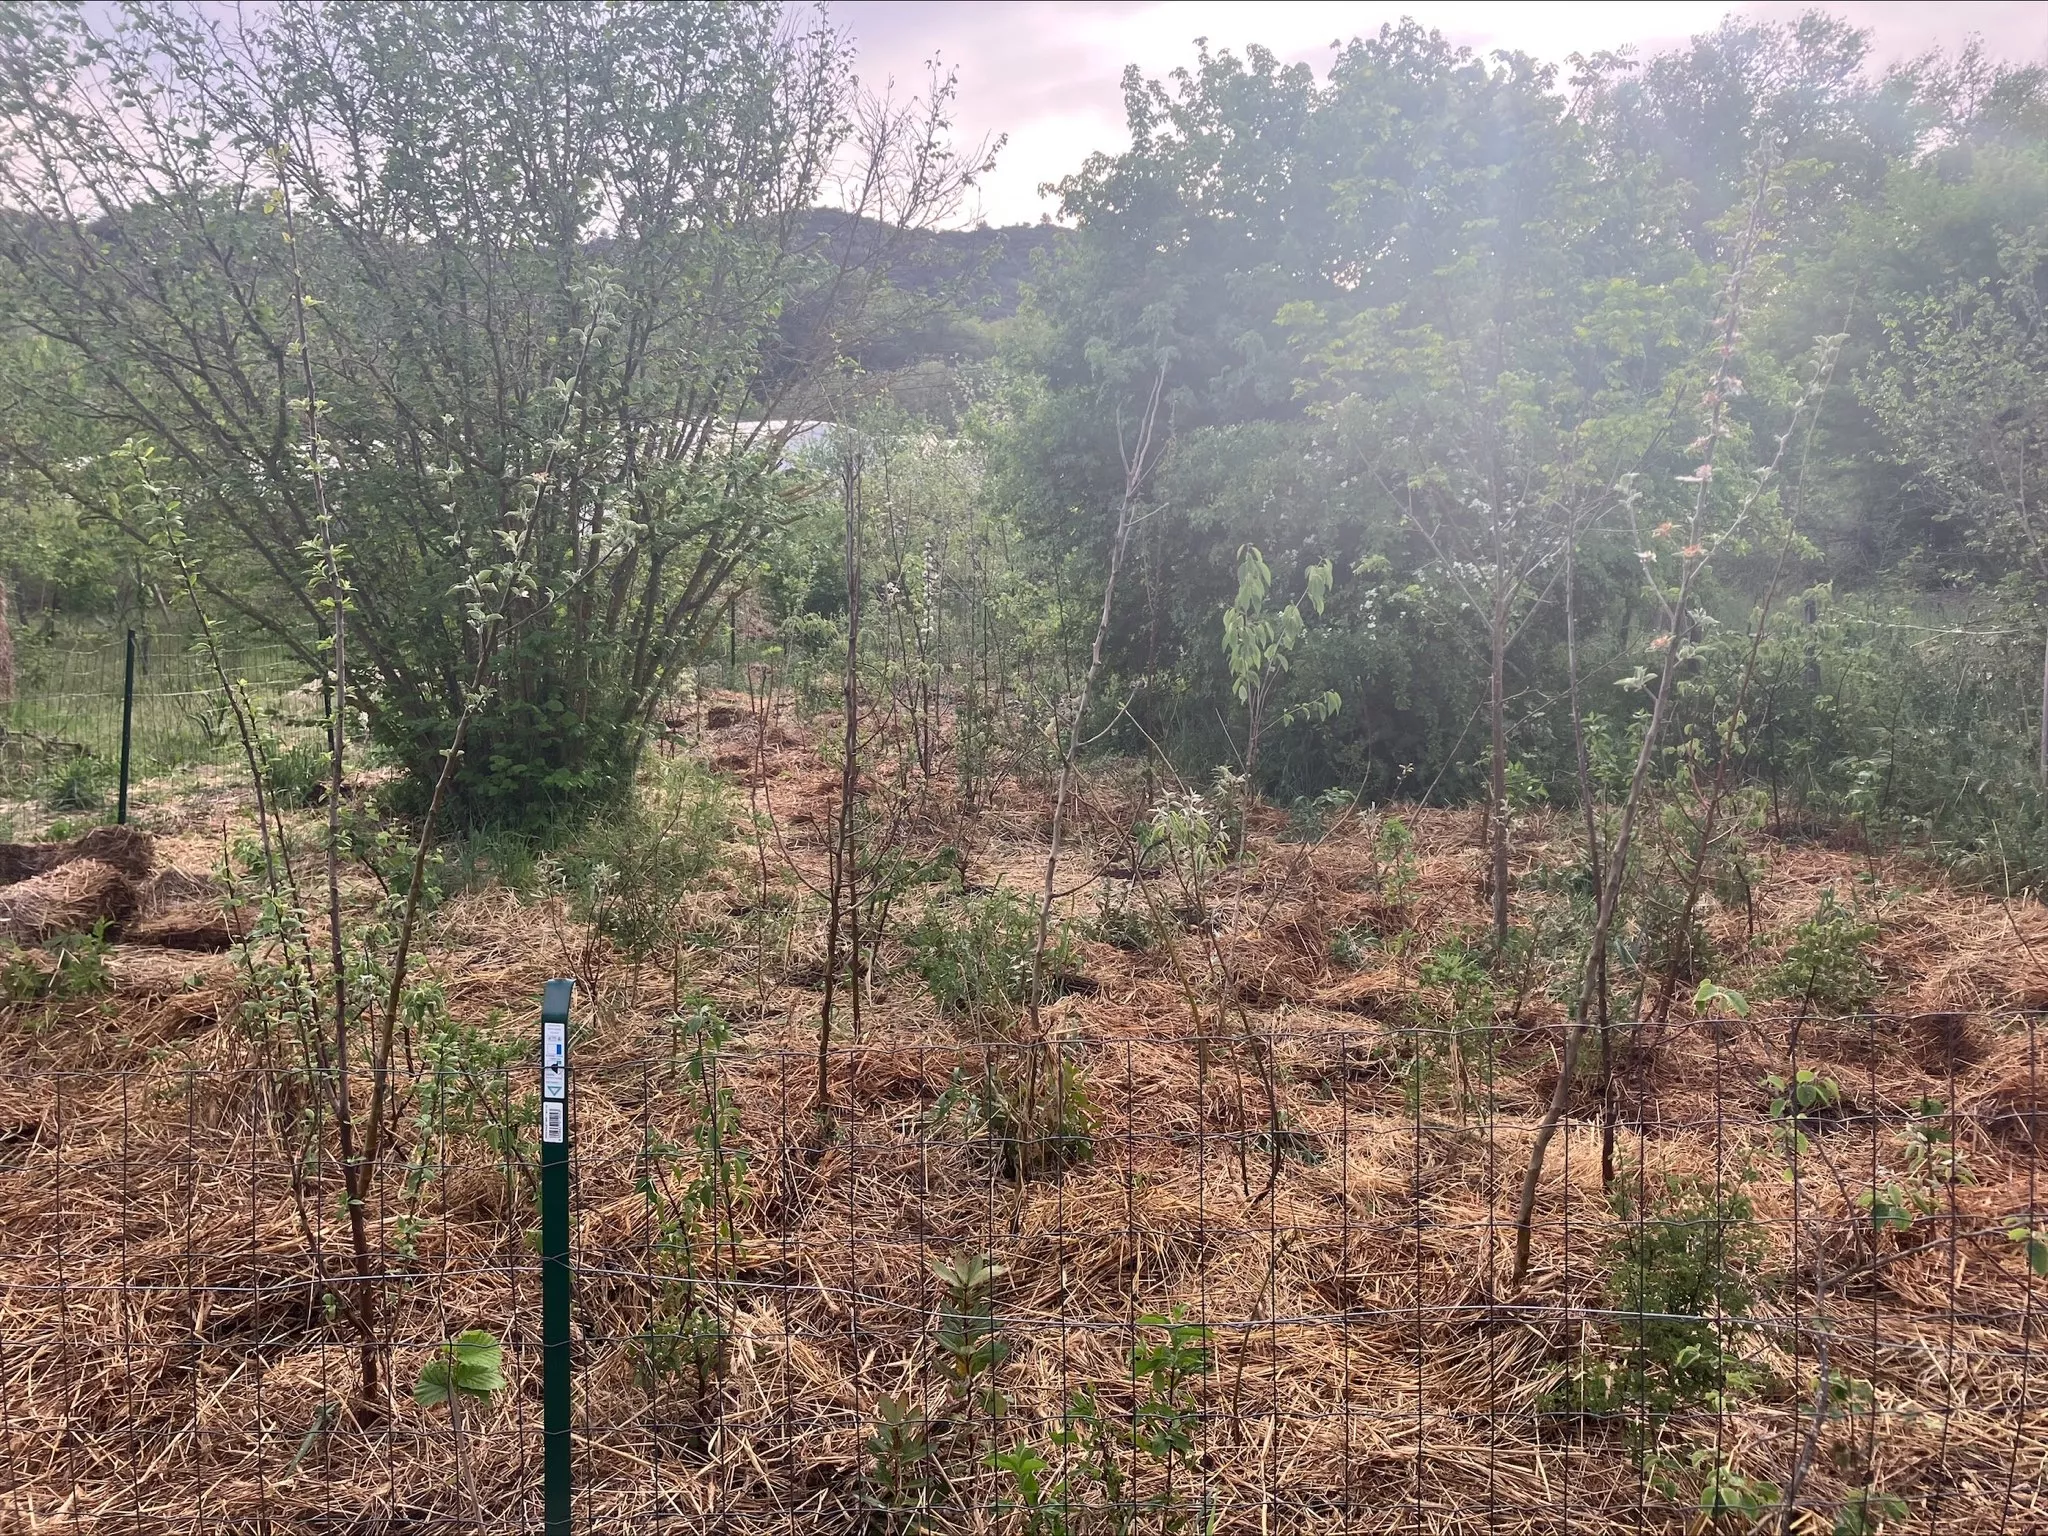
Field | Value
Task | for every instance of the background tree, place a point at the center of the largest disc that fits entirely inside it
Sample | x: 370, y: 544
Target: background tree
x: 531, y: 236
x: 1962, y: 390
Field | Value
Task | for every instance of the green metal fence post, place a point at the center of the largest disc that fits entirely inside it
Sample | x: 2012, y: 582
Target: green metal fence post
x: 554, y: 1256
x: 127, y: 728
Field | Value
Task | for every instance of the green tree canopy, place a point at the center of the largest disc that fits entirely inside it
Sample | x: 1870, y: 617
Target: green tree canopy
x: 546, y: 251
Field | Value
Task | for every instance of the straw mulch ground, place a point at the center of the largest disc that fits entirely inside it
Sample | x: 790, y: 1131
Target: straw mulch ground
x: 171, y: 1359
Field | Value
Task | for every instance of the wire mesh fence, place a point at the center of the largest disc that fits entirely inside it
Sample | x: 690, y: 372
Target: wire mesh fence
x: 68, y: 705
x: 1784, y: 1274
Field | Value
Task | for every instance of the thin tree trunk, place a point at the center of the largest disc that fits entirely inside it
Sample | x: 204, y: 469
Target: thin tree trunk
x: 7, y: 649
x: 357, y: 1174
x: 1498, y: 789
x: 1679, y: 616
x: 1710, y: 818
x: 842, y: 871
x: 2044, y: 687
x: 1596, y: 956
x: 1583, y: 764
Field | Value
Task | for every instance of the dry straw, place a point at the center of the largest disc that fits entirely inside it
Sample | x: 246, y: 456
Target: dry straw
x: 170, y: 1362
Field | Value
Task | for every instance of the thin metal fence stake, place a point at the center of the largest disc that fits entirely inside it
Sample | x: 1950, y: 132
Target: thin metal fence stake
x: 127, y: 727
x: 555, y: 1277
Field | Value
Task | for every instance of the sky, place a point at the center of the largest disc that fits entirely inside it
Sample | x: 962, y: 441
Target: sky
x: 1046, y: 73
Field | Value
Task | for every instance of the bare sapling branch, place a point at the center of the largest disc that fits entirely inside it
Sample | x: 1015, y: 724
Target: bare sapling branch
x: 843, y: 916
x: 1140, y: 457
x: 356, y: 1171
x: 1695, y: 558
x: 1708, y: 829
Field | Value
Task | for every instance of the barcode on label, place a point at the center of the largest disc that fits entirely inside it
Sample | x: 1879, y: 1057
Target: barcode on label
x: 553, y: 1116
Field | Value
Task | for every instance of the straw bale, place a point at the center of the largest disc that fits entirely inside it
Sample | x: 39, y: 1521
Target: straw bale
x: 124, y: 849
x: 170, y: 887
x: 70, y: 899
x: 151, y: 973
x: 193, y: 925
x: 1370, y: 992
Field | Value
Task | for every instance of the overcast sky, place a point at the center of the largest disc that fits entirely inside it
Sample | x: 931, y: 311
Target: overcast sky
x: 1046, y: 72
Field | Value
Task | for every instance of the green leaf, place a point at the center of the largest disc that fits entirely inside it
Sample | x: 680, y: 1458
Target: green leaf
x: 1712, y: 995
x: 472, y: 1363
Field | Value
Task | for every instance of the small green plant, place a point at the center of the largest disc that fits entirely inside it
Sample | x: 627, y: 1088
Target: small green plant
x: 464, y: 1093
x: 696, y: 1195
x: 1725, y: 1495
x: 1714, y: 1000
x: 21, y: 979
x: 1930, y: 1148
x: 1826, y: 964
x: 1525, y: 788
x: 1462, y: 1033
x: 1121, y: 924
x: 1033, y: 1114
x: 628, y: 874
x: 1259, y: 644
x: 293, y: 776
x: 1678, y: 1287
x: 975, y: 955
x: 1931, y: 1164
x: 1167, y: 1368
x: 1800, y: 1103
x: 1867, y: 1511
x: 969, y: 1338
x: 1191, y: 835
x: 1354, y: 948
x: 1395, y: 867
x: 899, y: 1472
x: 81, y: 963
x: 78, y: 969
x: 907, y: 1447
x: 1309, y: 820
x: 1089, y: 1482
x: 78, y: 784
x: 2032, y: 1241
x: 469, y: 1368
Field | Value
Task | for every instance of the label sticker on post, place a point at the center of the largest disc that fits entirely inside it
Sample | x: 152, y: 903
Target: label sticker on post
x: 553, y: 1119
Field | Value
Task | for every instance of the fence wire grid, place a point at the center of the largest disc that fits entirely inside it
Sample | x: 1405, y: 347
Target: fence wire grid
x: 69, y: 699
x: 1233, y: 1284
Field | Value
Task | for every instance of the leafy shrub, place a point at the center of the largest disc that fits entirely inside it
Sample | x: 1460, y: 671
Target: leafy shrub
x: 1086, y: 1484
x: 1034, y: 1115
x: 1124, y: 924
x: 1826, y: 964
x: 465, y: 1093
x: 1310, y: 820
x: 1395, y: 867
x: 80, y: 969
x: 695, y: 1193
x: 78, y: 783
x: 1678, y: 1281
x: 628, y: 873
x: 293, y: 775
x: 975, y: 955
x: 1353, y: 947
